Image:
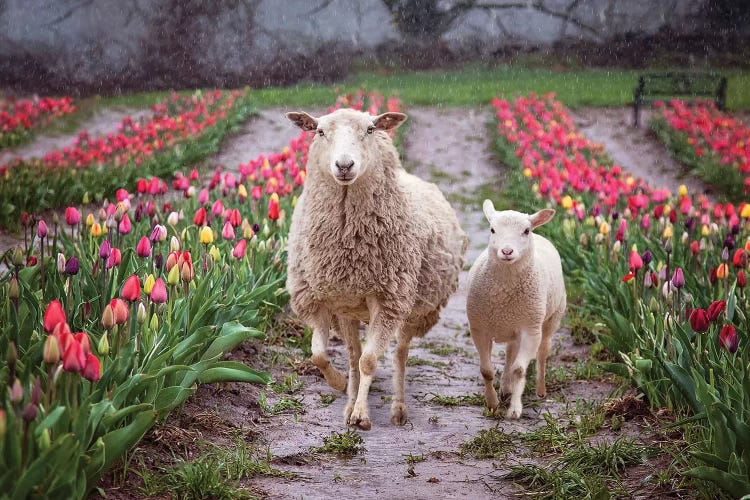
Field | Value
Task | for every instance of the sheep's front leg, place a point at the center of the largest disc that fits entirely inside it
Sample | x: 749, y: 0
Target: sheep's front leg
x: 528, y: 345
x: 398, y: 406
x: 321, y: 326
x: 506, y: 385
x: 379, y: 334
x: 483, y: 343
x: 349, y: 330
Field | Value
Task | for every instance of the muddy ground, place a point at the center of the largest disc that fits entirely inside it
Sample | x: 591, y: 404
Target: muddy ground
x: 449, y: 147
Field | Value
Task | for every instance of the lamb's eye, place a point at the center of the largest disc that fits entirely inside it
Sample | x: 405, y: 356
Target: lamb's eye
x: 526, y: 231
x: 321, y: 133
x: 370, y: 129
x: 492, y: 231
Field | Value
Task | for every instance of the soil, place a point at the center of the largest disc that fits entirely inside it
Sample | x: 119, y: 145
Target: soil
x: 449, y: 147
x: 636, y: 150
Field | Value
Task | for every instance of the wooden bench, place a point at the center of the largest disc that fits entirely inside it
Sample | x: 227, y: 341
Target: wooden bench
x: 674, y: 85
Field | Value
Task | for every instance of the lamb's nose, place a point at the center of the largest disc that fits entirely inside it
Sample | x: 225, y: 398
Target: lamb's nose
x: 507, y: 251
x: 344, y: 165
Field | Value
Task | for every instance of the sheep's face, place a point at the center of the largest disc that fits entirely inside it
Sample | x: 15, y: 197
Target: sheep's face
x: 344, y: 137
x: 510, y: 232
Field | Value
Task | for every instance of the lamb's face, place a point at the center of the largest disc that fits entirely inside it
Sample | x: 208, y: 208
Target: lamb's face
x: 510, y: 232
x: 345, y: 138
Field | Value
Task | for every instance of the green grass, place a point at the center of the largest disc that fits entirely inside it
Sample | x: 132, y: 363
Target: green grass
x: 476, y: 399
x: 478, y: 84
x: 216, y: 473
x: 283, y: 405
x: 490, y: 443
x: 416, y: 361
x: 346, y: 444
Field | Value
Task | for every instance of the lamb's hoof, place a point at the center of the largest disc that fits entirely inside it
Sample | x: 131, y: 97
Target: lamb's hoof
x: 541, y: 393
x: 348, y: 412
x: 359, y: 418
x: 513, y: 413
x: 398, y: 413
x: 492, y: 402
x: 336, y: 379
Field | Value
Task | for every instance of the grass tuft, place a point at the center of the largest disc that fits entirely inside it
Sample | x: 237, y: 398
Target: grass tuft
x: 490, y: 443
x: 345, y: 444
x: 476, y: 399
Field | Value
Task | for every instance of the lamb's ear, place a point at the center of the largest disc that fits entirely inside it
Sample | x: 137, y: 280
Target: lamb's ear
x: 303, y: 120
x: 388, y: 121
x: 541, y: 217
x: 489, y: 209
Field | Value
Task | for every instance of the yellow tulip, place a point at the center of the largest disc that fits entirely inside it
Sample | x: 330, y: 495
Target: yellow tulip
x: 90, y: 219
x: 214, y: 253
x: 723, y: 271
x: 96, y: 230
x: 174, y: 276
x: 668, y: 232
x: 745, y: 213
x: 206, y: 235
x: 682, y: 190
x: 527, y: 172
x: 566, y: 202
x: 148, y: 285
x: 604, y: 228
x: 242, y: 191
x: 705, y: 231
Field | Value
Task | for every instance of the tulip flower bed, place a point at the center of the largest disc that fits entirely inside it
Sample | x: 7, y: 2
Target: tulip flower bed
x: 665, y: 272
x: 110, y: 320
x: 712, y: 143
x: 183, y: 130
x: 19, y: 119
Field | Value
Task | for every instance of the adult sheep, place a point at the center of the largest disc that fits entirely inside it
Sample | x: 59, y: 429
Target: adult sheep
x: 368, y: 242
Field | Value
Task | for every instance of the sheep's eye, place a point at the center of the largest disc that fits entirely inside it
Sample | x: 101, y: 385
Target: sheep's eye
x: 526, y: 231
x: 370, y: 129
x: 321, y: 133
x: 492, y: 231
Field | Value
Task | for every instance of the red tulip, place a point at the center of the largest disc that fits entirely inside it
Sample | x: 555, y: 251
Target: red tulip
x: 131, y: 290
x: 125, y: 227
x: 636, y: 262
x: 72, y: 216
x: 740, y: 258
x: 143, y: 248
x: 716, y: 308
x: 159, y: 292
x: 92, y: 369
x: 239, y: 249
x: 273, y: 207
x: 120, y: 311
x: 141, y: 186
x: 256, y: 192
x: 74, y: 359
x: 83, y: 339
x: 200, y: 217
x: 627, y: 277
x: 53, y: 315
x: 114, y: 259
x: 228, y: 231
x: 218, y: 208
x: 728, y: 338
x: 699, y: 321
x: 741, y: 278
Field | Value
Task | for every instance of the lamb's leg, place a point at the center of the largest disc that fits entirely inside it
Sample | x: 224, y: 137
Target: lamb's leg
x: 506, y: 386
x: 379, y: 335
x: 321, y: 326
x: 549, y: 328
x: 349, y: 330
x: 528, y: 345
x: 398, y: 405
x: 483, y: 343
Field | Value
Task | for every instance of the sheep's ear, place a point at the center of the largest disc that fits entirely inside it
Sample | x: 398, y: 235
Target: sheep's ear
x: 389, y: 121
x: 489, y: 209
x: 541, y: 217
x: 303, y: 120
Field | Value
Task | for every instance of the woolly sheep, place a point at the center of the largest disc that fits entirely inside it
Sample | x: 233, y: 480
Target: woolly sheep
x: 516, y: 295
x: 368, y: 242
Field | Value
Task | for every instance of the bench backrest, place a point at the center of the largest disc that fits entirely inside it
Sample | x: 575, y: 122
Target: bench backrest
x: 683, y: 85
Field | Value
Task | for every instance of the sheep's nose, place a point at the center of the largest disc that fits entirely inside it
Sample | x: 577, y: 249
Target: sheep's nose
x: 507, y: 251
x: 344, y: 165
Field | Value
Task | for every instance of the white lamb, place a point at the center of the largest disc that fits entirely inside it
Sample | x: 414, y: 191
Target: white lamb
x: 516, y: 295
x: 368, y: 242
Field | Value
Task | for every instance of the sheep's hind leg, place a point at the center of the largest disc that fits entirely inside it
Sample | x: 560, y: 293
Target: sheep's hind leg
x: 349, y: 330
x: 506, y: 385
x: 378, y: 336
x: 320, y: 358
x: 549, y: 328
x: 398, y: 406
x: 528, y: 345
x: 483, y: 343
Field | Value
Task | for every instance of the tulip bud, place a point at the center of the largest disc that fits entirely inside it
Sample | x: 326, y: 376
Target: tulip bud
x: 173, y: 277
x: 16, y: 392
x: 174, y: 244
x: 103, y: 346
x: 17, y: 257
x: 30, y: 412
x: 60, y: 263
x: 41, y: 229
x: 266, y: 230
x: 44, y: 440
x: 14, y: 291
x: 36, y: 391
x: 141, y: 313
x: 3, y: 423
x: 154, y: 323
x: 148, y: 285
x: 71, y: 266
x: 11, y: 356
x: 214, y: 252
x: 206, y: 235
x: 173, y: 219
x: 51, y: 350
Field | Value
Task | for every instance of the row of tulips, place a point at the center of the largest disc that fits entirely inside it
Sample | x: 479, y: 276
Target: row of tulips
x: 20, y: 118
x: 713, y: 144
x: 665, y: 271
x: 182, y: 130
x: 111, y: 318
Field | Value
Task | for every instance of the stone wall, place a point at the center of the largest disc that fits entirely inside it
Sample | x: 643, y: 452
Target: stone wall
x: 101, y: 45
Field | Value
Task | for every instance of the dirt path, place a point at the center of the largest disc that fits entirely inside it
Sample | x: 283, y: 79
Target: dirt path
x: 449, y: 147
x: 636, y: 150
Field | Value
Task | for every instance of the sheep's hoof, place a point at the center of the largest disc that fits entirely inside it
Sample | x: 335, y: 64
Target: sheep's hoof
x: 348, y: 411
x: 360, y: 419
x: 513, y: 413
x: 541, y: 392
x: 398, y: 413
x: 335, y: 379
